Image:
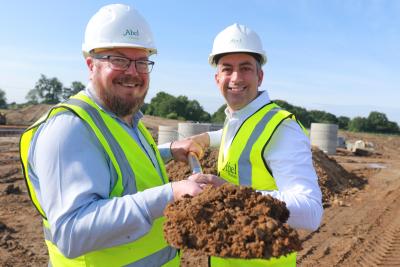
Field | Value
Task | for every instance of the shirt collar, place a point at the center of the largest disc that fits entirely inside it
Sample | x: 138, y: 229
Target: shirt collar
x: 250, y: 108
x: 91, y: 93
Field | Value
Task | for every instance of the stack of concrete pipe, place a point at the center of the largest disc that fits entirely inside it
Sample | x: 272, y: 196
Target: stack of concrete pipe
x: 184, y: 129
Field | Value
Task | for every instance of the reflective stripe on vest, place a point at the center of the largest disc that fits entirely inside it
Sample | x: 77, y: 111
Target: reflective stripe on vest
x: 130, y: 163
x: 244, y: 164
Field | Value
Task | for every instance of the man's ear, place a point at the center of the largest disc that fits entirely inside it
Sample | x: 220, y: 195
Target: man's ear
x: 90, y: 63
x: 216, y: 78
x: 260, y: 75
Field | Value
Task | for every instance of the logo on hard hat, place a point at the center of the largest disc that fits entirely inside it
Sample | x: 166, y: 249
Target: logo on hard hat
x: 236, y: 41
x: 131, y: 34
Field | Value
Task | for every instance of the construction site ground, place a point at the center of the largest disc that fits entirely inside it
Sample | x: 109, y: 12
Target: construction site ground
x: 361, y: 227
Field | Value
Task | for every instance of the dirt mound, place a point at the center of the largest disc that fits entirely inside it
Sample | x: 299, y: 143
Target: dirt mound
x: 231, y: 221
x: 26, y: 116
x: 333, y: 179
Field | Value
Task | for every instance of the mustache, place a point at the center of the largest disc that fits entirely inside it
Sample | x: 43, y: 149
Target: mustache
x: 129, y: 79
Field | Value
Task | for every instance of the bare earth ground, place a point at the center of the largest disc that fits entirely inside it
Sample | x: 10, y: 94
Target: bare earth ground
x: 363, y: 229
x: 360, y: 227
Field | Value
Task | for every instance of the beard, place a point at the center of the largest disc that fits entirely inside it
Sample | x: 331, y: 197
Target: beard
x: 123, y: 106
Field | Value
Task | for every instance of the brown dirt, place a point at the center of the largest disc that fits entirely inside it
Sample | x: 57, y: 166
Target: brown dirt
x: 230, y: 221
x: 25, y: 116
x: 334, y: 180
x: 28, y: 115
x: 21, y: 234
x: 178, y: 170
x: 361, y: 224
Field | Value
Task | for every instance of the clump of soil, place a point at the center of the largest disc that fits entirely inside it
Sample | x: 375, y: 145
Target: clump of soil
x: 231, y: 221
x: 179, y: 170
x: 12, y: 189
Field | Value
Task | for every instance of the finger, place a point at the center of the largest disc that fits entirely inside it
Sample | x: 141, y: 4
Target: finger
x: 204, y: 178
x: 202, y: 186
x: 194, y: 177
x: 197, y: 149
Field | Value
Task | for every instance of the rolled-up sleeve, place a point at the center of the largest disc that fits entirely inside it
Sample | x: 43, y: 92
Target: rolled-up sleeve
x: 215, y: 138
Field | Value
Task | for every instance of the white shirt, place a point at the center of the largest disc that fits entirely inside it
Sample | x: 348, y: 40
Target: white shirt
x: 289, y: 157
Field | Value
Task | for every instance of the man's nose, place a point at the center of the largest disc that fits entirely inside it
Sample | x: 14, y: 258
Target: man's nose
x: 132, y: 68
x: 235, y: 75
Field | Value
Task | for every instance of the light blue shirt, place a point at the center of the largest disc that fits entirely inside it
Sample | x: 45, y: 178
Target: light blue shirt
x: 73, y: 176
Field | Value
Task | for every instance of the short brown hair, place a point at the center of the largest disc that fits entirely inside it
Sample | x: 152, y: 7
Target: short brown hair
x: 256, y: 56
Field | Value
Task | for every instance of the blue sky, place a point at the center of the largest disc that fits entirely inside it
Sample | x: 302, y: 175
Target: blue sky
x: 339, y: 56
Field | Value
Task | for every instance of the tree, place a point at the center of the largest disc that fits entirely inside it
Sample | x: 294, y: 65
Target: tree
x: 343, y: 122
x: 359, y: 124
x: 3, y: 99
x: 379, y: 123
x: 46, y: 91
x: 168, y: 106
x: 161, y: 105
x: 392, y: 127
x: 301, y: 113
x: 323, y: 117
x: 219, y: 116
x: 144, y: 108
x: 32, y: 97
x: 192, y: 110
x: 75, y: 88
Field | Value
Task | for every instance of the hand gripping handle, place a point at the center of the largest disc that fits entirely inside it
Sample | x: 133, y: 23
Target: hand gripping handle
x: 194, y: 163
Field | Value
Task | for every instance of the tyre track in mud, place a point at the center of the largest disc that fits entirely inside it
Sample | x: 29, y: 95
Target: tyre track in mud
x: 384, y: 248
x: 362, y: 232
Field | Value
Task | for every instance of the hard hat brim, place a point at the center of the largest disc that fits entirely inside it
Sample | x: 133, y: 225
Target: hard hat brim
x: 212, y: 57
x: 105, y: 46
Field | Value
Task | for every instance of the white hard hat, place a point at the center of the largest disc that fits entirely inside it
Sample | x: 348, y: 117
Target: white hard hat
x: 237, y: 38
x: 118, y: 25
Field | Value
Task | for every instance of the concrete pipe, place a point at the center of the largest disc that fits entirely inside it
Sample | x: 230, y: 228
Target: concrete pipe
x: 189, y: 129
x: 167, y: 134
x: 324, y: 136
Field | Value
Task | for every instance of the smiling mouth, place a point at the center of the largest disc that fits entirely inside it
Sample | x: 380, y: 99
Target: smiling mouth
x: 129, y: 83
x: 237, y: 89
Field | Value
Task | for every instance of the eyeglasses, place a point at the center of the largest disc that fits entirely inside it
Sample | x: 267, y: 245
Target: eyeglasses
x: 142, y: 66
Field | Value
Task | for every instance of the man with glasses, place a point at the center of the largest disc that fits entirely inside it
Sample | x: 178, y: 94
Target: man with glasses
x: 93, y: 170
x: 122, y: 63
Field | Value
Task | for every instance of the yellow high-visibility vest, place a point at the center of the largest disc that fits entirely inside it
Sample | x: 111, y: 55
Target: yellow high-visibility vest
x: 118, y: 145
x: 244, y: 164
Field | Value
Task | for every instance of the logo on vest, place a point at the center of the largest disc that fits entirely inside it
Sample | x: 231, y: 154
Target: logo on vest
x: 230, y: 168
